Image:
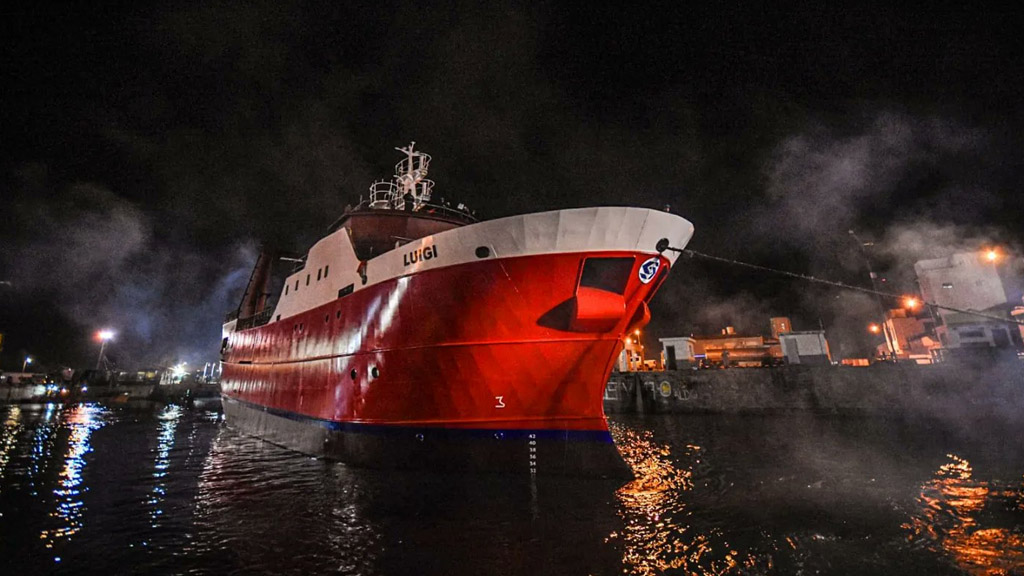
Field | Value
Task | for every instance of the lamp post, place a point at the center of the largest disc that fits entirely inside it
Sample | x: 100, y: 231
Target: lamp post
x: 874, y: 288
x: 26, y: 362
x: 104, y: 336
x: 641, y: 347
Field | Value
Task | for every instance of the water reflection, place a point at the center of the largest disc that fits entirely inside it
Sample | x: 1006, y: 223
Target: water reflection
x: 42, y: 445
x: 168, y: 419
x: 250, y: 492
x: 658, y: 535
x: 170, y: 490
x: 9, y: 439
x: 961, y: 516
x: 81, y: 421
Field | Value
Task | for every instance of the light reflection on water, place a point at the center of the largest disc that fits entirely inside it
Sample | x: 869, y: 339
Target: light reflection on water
x: 657, y: 536
x: 42, y: 444
x: 255, y: 499
x: 8, y: 439
x: 80, y: 421
x: 960, y: 516
x: 168, y: 424
x: 171, y: 490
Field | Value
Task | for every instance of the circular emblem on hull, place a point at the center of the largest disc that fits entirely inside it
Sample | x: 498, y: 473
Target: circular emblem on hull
x: 666, y: 388
x: 649, y: 269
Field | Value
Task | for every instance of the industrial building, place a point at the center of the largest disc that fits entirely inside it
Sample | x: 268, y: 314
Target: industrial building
x: 969, y: 282
x: 729, y: 349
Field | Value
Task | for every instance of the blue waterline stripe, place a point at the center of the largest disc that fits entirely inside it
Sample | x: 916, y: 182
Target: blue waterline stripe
x: 596, y: 436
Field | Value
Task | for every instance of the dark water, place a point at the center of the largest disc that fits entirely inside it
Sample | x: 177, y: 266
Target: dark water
x: 86, y: 489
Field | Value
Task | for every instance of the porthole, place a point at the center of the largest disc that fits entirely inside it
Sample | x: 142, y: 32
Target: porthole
x: 375, y: 372
x: 353, y: 373
x: 337, y: 314
x: 483, y: 251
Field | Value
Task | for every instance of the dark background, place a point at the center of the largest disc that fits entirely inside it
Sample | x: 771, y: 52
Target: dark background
x: 147, y: 149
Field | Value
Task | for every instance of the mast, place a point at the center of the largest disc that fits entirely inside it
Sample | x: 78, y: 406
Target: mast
x: 409, y: 189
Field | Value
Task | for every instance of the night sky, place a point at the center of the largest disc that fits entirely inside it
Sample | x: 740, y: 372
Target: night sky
x: 148, y: 149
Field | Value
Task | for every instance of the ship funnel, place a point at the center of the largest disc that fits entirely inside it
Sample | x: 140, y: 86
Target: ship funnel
x: 257, y: 291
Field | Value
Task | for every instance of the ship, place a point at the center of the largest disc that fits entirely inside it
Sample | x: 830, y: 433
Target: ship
x: 413, y: 335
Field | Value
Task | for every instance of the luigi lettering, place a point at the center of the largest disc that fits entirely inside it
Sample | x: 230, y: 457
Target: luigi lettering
x: 419, y: 255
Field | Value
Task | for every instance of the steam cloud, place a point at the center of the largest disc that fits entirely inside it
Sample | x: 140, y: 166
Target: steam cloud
x: 908, y: 185
x: 98, y: 257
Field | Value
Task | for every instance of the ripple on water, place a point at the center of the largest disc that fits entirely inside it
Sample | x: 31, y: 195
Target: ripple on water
x: 173, y: 490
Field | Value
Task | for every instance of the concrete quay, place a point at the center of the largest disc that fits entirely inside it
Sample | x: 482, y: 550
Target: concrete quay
x: 118, y: 393
x: 940, y: 390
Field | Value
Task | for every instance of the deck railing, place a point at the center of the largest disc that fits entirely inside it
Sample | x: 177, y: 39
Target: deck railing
x: 255, y: 320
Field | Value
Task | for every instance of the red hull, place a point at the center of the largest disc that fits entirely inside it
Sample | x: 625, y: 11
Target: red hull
x: 489, y: 344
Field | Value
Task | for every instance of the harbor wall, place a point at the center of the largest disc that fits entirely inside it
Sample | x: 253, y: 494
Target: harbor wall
x: 183, y: 392
x: 906, y: 389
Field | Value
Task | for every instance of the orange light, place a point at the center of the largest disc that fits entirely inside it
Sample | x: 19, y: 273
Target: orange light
x: 910, y: 302
x: 874, y: 328
x: 991, y: 255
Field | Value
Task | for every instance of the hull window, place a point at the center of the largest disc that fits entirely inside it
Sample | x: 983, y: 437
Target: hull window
x: 608, y: 274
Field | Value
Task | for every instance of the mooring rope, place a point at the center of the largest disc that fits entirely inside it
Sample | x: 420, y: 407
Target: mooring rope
x: 833, y: 283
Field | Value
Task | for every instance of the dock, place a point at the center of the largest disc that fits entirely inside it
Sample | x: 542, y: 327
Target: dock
x: 904, y: 389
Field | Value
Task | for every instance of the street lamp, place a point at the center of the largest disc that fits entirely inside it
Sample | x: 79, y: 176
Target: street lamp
x: 641, y: 346
x: 874, y: 288
x: 28, y: 360
x: 104, y: 336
